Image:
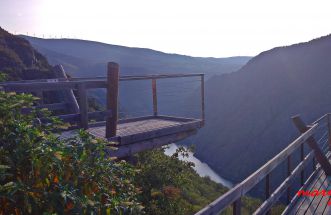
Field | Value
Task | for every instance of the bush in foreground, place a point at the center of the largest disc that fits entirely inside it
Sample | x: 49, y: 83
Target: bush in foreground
x: 40, y: 172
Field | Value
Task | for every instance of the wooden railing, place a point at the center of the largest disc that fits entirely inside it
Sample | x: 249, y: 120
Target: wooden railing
x: 80, y: 113
x: 233, y: 196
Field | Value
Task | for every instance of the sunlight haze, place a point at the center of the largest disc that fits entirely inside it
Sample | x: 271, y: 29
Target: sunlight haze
x: 196, y: 28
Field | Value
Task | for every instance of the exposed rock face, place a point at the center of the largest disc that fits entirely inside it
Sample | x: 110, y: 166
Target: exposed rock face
x: 20, y: 60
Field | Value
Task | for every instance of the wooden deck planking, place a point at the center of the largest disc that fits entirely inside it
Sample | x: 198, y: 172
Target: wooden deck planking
x: 144, y: 128
x: 310, y: 205
x: 295, y: 208
x: 297, y: 201
x: 315, y: 204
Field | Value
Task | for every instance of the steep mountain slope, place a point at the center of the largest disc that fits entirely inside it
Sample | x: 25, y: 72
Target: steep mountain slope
x: 248, y: 112
x: 87, y: 58
x: 19, y: 60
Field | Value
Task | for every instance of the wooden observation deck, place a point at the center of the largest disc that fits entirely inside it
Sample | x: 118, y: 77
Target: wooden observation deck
x: 134, y: 134
x: 311, y: 172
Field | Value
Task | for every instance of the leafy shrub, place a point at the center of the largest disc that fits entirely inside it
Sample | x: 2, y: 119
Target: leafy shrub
x: 3, y: 76
x: 44, y: 172
x: 171, y: 186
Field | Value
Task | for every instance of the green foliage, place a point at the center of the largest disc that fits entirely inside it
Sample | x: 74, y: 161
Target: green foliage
x: 44, y: 172
x: 3, y: 76
x: 171, y: 186
x: 41, y: 171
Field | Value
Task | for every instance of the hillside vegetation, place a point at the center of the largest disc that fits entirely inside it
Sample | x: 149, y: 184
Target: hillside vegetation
x: 40, y: 172
x: 19, y: 60
x: 248, y: 112
x: 88, y: 58
x: 82, y: 58
x: 43, y: 173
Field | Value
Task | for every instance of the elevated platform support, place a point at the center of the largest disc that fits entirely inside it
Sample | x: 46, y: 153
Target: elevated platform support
x: 133, y: 135
x: 144, y: 133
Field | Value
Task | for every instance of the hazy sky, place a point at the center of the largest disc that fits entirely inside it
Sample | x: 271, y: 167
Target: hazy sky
x: 216, y: 28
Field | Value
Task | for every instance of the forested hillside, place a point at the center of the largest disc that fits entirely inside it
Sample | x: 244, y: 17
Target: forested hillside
x: 19, y: 60
x: 88, y: 58
x: 248, y: 111
x: 40, y: 172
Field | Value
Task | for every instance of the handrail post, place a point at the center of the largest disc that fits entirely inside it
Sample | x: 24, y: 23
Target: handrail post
x: 288, y: 174
x: 202, y: 98
x: 302, y: 156
x: 155, y: 112
x: 320, y: 157
x: 112, y: 96
x: 329, y: 133
x: 267, y: 189
x: 237, y: 207
x: 83, y: 106
x: 40, y: 95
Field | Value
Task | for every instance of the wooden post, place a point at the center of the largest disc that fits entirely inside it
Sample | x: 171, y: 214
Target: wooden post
x: 267, y: 189
x: 154, y: 97
x: 288, y: 174
x: 320, y: 157
x: 237, y: 207
x: 68, y: 94
x: 112, y: 96
x: 203, y: 99
x: 83, y: 106
x: 329, y: 133
x: 40, y: 95
x: 302, y: 156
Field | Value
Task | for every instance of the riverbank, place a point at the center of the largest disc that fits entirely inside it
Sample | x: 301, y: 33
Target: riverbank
x: 200, y: 167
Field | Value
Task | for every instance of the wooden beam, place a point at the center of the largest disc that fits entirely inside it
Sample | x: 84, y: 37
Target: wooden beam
x: 237, y: 207
x: 100, y: 115
x: 203, y: 99
x: 83, y: 106
x: 288, y: 174
x: 112, y: 97
x: 68, y: 94
x: 127, y: 150
x: 320, y: 157
x: 329, y: 131
x: 40, y: 95
x: 53, y: 84
x: 267, y: 189
x: 52, y: 107
x: 154, y: 97
x: 35, y: 86
x: 302, y: 156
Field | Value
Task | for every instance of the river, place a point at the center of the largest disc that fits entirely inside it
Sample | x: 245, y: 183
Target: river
x: 201, y: 168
